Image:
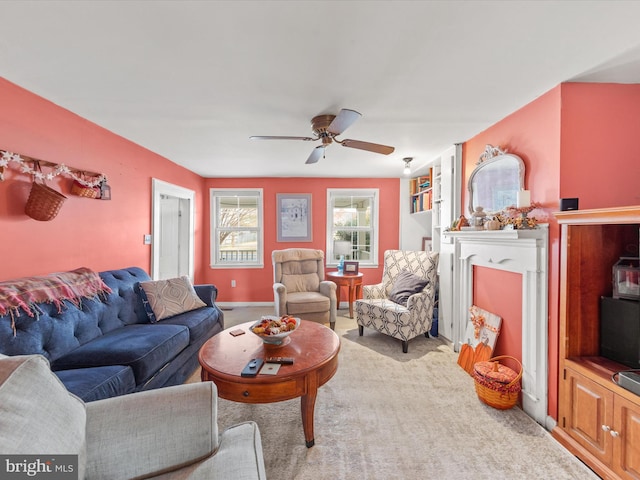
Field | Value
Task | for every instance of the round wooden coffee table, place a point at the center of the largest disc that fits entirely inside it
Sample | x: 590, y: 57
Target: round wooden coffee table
x: 313, y: 347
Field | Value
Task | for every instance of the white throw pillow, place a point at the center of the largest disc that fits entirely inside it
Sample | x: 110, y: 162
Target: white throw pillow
x: 170, y: 297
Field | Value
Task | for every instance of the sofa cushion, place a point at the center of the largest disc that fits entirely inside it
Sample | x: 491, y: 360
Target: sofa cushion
x: 170, y: 297
x: 199, y: 322
x: 405, y: 285
x: 145, y: 348
x: 37, y: 414
x: 98, y: 382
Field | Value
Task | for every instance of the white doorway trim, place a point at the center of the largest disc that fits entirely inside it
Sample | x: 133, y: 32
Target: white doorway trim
x: 159, y: 188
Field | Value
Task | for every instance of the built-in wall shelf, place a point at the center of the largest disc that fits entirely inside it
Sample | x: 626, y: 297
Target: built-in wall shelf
x: 421, y: 192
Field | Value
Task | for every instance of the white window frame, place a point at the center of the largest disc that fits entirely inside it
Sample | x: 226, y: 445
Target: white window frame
x: 374, y: 193
x: 214, y: 193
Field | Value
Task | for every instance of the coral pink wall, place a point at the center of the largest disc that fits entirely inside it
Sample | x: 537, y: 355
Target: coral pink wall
x: 105, y: 235
x: 97, y: 234
x: 600, y: 149
x: 533, y: 133
x: 577, y: 140
x: 255, y: 285
x: 510, y: 338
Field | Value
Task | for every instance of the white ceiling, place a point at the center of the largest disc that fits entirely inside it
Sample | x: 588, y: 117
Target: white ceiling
x: 192, y: 80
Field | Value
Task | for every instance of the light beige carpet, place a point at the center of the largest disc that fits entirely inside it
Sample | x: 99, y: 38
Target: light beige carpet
x: 389, y: 415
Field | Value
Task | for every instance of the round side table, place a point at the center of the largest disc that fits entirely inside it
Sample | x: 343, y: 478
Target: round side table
x: 353, y: 281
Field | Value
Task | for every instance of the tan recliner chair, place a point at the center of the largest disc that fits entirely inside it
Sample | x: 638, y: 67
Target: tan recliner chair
x: 299, y: 287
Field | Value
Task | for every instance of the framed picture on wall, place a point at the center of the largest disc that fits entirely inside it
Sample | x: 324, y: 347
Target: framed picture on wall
x: 350, y: 268
x: 427, y: 244
x: 294, y: 217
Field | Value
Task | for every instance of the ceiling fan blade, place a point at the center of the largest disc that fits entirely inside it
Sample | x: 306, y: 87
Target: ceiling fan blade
x: 343, y: 120
x: 370, y: 147
x: 316, y: 153
x: 268, y: 137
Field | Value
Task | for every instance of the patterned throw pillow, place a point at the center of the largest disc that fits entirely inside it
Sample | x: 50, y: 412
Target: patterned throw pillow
x: 170, y: 297
x: 406, y: 284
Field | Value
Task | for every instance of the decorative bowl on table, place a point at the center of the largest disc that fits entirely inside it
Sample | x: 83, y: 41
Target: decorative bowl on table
x: 274, y: 330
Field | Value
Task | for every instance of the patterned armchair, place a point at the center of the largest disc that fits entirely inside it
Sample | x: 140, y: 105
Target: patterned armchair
x: 377, y: 311
x: 299, y: 287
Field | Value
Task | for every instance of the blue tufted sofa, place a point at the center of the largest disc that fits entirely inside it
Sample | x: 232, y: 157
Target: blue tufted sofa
x: 109, y: 348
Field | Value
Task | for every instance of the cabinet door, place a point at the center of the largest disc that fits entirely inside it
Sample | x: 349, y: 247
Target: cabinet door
x: 588, y: 415
x: 626, y: 445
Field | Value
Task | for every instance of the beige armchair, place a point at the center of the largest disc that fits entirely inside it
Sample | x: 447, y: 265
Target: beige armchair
x: 411, y: 278
x: 299, y: 287
x: 168, y: 433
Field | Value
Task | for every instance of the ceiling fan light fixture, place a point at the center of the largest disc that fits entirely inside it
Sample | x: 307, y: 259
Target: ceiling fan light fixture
x: 326, y: 128
x: 407, y: 166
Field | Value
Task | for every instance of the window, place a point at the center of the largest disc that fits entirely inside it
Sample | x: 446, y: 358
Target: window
x: 352, y: 226
x: 236, y: 228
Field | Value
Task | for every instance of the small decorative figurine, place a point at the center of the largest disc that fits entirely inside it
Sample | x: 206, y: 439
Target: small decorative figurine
x: 478, y: 217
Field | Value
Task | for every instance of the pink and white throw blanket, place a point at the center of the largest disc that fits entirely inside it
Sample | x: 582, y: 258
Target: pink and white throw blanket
x: 25, y: 293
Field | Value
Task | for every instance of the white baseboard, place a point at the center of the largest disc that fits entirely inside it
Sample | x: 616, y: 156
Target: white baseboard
x: 244, y: 304
x: 550, y: 423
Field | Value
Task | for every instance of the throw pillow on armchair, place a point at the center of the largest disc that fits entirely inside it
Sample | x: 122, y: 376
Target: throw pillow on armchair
x: 406, y: 284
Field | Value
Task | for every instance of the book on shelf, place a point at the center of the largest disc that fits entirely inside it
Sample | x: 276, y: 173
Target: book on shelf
x: 425, y: 201
x: 413, y: 186
x: 424, y: 182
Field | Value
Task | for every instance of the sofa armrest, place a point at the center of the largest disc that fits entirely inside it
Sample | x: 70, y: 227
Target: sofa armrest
x: 207, y: 293
x: 280, y: 298
x: 370, y: 292
x: 239, y: 456
x: 417, y: 300
x: 420, y: 305
x: 150, y: 432
x: 328, y: 289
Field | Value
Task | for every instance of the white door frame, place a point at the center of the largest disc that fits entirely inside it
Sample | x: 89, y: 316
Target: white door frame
x: 158, y: 188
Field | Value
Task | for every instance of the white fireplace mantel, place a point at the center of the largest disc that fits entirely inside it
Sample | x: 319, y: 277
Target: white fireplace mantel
x: 518, y: 251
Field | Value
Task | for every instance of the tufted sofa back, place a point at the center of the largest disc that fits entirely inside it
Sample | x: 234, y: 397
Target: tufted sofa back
x: 53, y: 333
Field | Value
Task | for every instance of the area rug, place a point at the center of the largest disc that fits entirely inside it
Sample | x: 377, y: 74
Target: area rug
x: 388, y: 415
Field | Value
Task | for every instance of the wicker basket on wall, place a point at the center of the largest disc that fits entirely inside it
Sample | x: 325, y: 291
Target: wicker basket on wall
x: 44, y: 202
x: 83, y: 191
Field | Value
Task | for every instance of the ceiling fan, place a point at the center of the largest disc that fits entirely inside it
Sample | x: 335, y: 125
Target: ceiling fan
x: 327, y: 128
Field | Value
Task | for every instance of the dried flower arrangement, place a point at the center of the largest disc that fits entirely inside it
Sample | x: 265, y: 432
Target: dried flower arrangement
x: 522, y: 217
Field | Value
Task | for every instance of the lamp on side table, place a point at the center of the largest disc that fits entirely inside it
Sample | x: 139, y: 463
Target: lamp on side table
x: 342, y: 248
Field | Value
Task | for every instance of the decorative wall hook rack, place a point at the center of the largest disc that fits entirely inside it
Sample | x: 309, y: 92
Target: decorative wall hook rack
x: 28, y: 165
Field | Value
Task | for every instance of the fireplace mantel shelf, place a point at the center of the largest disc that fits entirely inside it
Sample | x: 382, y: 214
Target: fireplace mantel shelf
x: 507, y: 234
